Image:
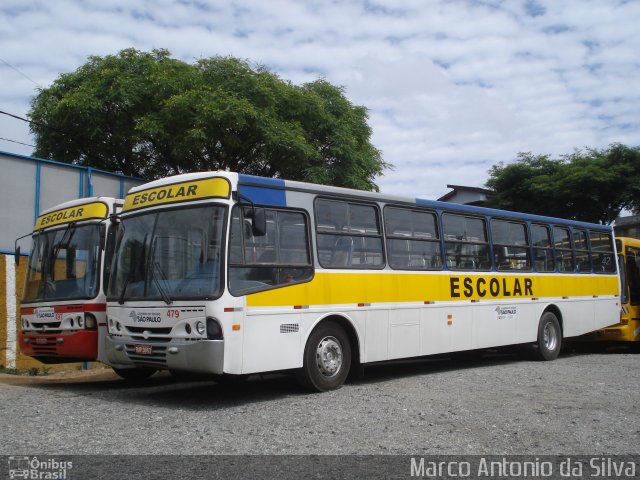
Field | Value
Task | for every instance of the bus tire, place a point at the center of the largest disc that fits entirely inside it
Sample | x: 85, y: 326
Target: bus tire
x: 549, y: 337
x: 327, y: 358
x: 134, y: 373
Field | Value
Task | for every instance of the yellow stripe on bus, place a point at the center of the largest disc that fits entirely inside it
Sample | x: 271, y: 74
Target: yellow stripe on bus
x: 354, y: 288
x: 73, y: 214
x: 179, y: 192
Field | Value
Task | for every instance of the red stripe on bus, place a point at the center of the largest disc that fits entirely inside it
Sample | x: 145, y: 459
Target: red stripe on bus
x: 95, y: 307
x: 68, y: 308
x: 87, y: 307
x: 75, y: 308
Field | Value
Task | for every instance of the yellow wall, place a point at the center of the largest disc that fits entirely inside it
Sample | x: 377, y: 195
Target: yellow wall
x: 22, y: 361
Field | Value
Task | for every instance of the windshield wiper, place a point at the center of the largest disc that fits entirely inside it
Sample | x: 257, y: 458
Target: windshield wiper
x: 165, y: 296
x: 124, y: 288
x: 70, y: 231
x: 151, y: 271
x: 132, y: 273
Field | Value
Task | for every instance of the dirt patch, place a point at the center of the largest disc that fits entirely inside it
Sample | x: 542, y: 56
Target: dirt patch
x: 67, y: 376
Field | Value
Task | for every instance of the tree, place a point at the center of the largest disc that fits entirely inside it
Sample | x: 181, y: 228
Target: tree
x: 592, y: 185
x: 148, y: 115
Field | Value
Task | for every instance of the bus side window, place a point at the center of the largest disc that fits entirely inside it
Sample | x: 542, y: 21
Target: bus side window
x: 510, y: 245
x: 602, y: 252
x: 466, y: 242
x: 583, y: 258
x: 281, y: 257
x: 564, y: 252
x: 348, y: 235
x: 412, y: 239
x: 542, y: 248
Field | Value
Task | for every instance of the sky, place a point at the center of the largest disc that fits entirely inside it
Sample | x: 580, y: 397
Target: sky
x: 452, y: 86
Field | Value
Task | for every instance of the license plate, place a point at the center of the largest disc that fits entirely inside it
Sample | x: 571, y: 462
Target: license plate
x: 41, y: 340
x: 143, y: 349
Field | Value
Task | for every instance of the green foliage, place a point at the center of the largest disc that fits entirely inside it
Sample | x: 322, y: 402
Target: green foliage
x: 32, y: 372
x: 592, y: 185
x: 148, y: 115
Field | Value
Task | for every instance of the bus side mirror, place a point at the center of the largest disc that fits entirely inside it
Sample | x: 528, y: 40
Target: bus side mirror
x: 17, y: 256
x: 103, y: 236
x: 259, y: 223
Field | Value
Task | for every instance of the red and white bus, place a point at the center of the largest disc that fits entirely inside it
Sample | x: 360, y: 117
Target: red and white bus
x: 63, y: 310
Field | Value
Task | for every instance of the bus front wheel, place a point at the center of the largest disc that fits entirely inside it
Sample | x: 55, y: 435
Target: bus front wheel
x: 549, y: 337
x: 327, y: 358
x: 134, y: 373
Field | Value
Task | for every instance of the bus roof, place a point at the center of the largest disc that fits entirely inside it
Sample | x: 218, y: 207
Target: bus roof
x: 272, y: 191
x: 271, y: 183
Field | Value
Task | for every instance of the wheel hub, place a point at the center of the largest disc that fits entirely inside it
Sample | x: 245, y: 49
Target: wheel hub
x: 550, y: 337
x: 329, y: 356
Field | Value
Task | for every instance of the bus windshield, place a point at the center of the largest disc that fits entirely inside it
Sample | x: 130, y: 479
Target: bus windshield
x: 169, y: 255
x: 64, y: 264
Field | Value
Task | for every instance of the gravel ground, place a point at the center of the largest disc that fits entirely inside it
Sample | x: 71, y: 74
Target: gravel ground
x: 578, y: 404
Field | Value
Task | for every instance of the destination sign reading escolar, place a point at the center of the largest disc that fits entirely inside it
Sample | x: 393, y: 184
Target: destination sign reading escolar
x: 178, y: 192
x: 78, y: 213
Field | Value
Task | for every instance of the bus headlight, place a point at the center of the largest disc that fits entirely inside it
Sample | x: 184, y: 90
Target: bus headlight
x: 200, y: 327
x: 80, y: 321
x: 214, y: 330
x: 90, y: 322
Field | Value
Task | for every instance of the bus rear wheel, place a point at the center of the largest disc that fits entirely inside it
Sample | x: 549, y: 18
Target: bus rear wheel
x: 549, y: 337
x: 134, y: 373
x: 327, y: 358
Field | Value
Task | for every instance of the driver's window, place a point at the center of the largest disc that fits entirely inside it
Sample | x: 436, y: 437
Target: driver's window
x: 278, y: 258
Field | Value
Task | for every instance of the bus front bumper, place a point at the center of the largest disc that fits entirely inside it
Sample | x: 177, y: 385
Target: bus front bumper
x: 203, y: 356
x: 71, y: 346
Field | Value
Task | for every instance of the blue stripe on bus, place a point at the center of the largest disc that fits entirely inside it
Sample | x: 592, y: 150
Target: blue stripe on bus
x: 492, y: 212
x: 263, y: 191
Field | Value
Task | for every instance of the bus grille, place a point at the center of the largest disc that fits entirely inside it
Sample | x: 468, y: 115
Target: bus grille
x: 153, y: 334
x: 48, y: 348
x: 289, y: 328
x: 49, y: 327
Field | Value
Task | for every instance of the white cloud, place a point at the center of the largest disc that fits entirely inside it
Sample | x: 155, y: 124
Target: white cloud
x: 452, y: 86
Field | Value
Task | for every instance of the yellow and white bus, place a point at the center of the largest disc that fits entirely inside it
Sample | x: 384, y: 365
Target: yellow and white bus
x: 63, y: 311
x: 234, y: 274
x: 627, y: 330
